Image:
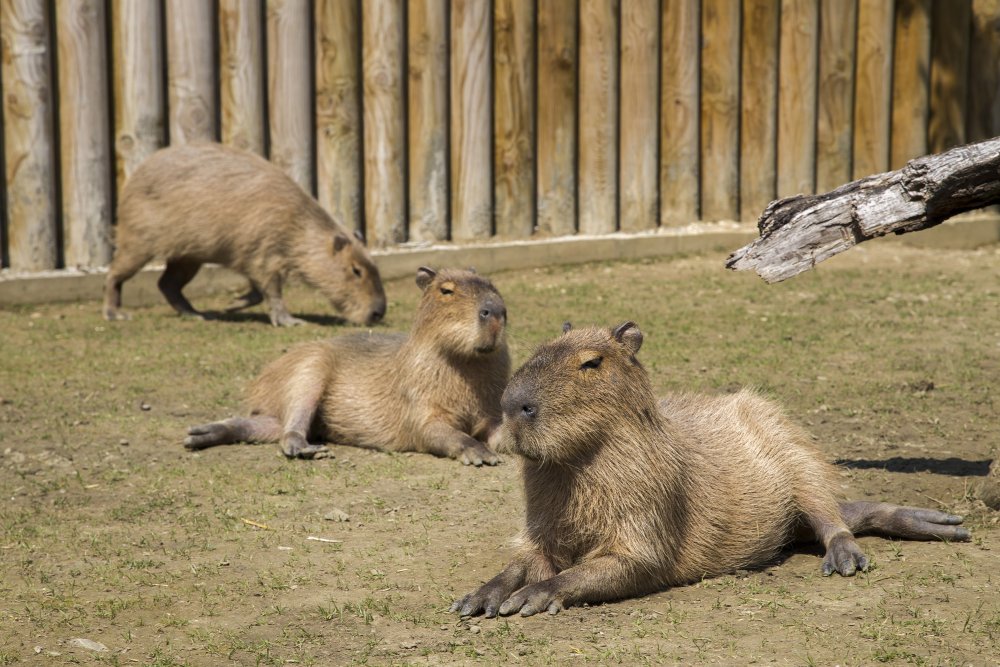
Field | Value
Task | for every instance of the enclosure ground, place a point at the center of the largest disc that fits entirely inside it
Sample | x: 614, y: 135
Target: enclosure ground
x: 113, y: 533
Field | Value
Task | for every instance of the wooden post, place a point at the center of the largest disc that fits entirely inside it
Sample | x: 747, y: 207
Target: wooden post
x: 338, y: 110
x: 984, y: 71
x: 834, y: 120
x: 639, y: 102
x: 138, y: 74
x: 758, y: 106
x: 797, y: 97
x: 911, y: 62
x: 720, y: 104
x: 241, y: 74
x: 382, y: 61
x: 873, y: 87
x: 680, y: 158
x: 28, y: 142
x: 950, y: 27
x: 556, y: 142
x: 471, y: 165
x: 190, y: 79
x: 427, y: 24
x: 598, y: 116
x: 514, y: 103
x: 84, y: 145
x: 289, y: 85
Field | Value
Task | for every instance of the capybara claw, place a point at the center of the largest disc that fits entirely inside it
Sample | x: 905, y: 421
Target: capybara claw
x: 206, y: 435
x: 294, y: 445
x: 844, y: 556
x: 478, y: 455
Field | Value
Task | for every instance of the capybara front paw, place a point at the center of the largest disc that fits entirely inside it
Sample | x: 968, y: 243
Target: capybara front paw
x: 486, y: 601
x: 531, y: 600
x: 287, y: 321
x: 478, y: 454
x: 295, y: 445
x: 112, y: 315
x: 206, y: 435
x: 844, y: 556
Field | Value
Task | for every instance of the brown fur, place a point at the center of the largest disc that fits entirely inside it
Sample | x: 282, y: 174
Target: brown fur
x: 626, y: 495
x: 198, y: 203
x: 437, y: 390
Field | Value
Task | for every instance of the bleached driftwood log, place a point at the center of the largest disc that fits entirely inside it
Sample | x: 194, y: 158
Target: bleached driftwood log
x: 799, y: 232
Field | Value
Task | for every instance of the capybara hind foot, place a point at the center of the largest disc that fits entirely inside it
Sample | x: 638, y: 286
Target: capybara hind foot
x: 115, y: 315
x: 844, y: 555
x: 913, y: 523
x: 295, y: 445
x: 209, y: 435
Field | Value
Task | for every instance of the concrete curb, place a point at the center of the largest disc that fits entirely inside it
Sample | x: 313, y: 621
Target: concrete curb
x: 966, y: 232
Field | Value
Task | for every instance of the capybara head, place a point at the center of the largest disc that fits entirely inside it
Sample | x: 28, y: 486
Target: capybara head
x: 574, y: 392
x: 342, y: 269
x: 461, y: 312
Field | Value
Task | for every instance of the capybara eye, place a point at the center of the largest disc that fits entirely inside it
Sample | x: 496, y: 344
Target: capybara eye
x: 445, y: 290
x: 592, y: 363
x: 357, y: 271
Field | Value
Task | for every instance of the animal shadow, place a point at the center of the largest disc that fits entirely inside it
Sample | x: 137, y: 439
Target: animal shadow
x: 226, y: 316
x: 949, y: 466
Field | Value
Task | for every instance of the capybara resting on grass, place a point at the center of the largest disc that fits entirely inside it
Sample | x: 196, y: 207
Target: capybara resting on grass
x: 626, y: 495
x: 437, y: 390
x: 196, y: 203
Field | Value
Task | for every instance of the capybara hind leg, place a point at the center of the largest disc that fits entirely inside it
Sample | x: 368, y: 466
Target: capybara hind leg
x: 912, y: 523
x: 441, y: 439
x: 527, y: 568
x: 123, y: 266
x: 280, y: 317
x: 255, y: 429
x: 176, y: 275
x: 251, y: 298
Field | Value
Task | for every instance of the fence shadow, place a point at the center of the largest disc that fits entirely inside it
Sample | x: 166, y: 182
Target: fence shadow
x: 950, y: 466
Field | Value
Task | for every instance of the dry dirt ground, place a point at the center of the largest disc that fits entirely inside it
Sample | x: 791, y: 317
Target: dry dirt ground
x: 113, y: 533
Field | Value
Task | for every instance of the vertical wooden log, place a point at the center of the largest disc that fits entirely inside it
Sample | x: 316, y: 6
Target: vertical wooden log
x: 289, y: 86
x: 639, y: 107
x: 758, y: 107
x: 598, y: 116
x: 556, y: 145
x: 910, y: 81
x: 190, y: 79
x: 471, y: 161
x: 720, y: 108
x: 137, y: 37
x: 872, y: 87
x: 513, y: 118
x: 28, y: 140
x: 84, y: 142
x: 984, y: 71
x: 384, y: 152
x: 838, y: 26
x: 338, y: 109
x: 797, y: 97
x: 680, y: 157
x: 427, y: 25
x: 950, y: 25
x: 241, y: 74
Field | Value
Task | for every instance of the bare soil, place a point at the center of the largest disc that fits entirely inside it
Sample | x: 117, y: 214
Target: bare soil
x: 113, y: 533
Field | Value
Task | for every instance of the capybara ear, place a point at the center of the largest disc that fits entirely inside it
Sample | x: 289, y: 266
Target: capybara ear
x: 339, y: 241
x: 360, y: 237
x: 628, y: 334
x: 425, y: 276
x: 567, y: 326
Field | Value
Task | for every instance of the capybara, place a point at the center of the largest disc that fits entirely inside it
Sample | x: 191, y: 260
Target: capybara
x: 626, y: 495
x: 196, y: 203
x: 436, y: 391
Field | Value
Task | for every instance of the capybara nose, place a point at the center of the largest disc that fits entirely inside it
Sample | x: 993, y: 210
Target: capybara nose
x: 492, y: 309
x: 518, y: 405
x: 376, y: 315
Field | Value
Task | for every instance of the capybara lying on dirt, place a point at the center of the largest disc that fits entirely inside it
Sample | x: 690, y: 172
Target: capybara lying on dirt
x: 437, y: 390
x: 626, y: 495
x: 198, y: 203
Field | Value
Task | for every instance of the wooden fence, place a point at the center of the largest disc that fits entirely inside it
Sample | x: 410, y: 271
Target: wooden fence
x: 463, y: 120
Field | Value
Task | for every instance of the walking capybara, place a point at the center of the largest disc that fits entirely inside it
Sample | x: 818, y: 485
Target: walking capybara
x: 626, y: 496
x: 198, y: 203
x: 436, y: 391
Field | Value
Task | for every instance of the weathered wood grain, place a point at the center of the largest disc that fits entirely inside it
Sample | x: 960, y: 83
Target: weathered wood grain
x: 85, y: 155
x: 556, y: 141
x: 338, y: 110
x: 950, y: 26
x: 382, y: 99
x: 720, y: 109
x: 471, y: 160
x: 28, y: 138
x: 911, y: 65
x: 513, y: 118
x: 680, y: 91
x: 191, y: 94
x: 427, y: 71
x: 835, y: 92
x: 241, y: 74
x: 797, y: 97
x: 638, y: 143
x: 799, y: 232
x: 598, y: 176
x: 289, y: 85
x: 873, y: 88
x: 758, y: 106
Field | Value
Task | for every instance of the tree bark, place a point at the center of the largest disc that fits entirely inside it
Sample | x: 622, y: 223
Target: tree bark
x: 799, y: 232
